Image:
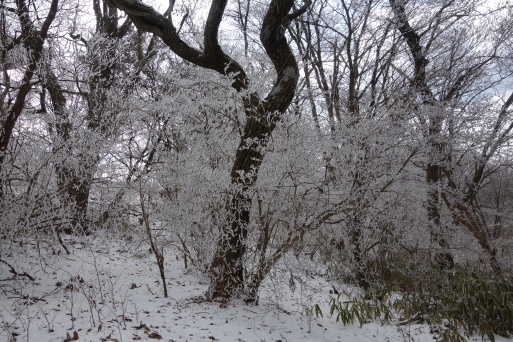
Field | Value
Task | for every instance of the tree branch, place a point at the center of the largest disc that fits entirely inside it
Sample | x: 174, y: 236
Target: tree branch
x: 272, y: 36
x: 300, y: 11
x: 413, y: 40
x: 213, y: 58
x: 214, y: 18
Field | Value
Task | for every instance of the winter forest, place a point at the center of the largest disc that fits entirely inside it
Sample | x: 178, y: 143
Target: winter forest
x: 356, y: 152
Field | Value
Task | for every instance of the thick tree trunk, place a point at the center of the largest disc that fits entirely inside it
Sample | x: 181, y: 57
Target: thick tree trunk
x: 360, y: 267
x: 73, y: 186
x: 74, y: 189
x: 227, y: 267
x: 434, y: 183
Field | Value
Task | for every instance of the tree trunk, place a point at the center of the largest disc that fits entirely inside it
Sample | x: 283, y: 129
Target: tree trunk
x: 434, y: 182
x: 74, y: 192
x: 227, y: 267
x: 436, y: 154
x: 355, y: 235
x: 75, y: 165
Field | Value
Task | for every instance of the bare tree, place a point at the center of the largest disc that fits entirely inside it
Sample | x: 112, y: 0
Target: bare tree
x: 464, y: 75
x: 77, y: 158
x: 348, y: 52
x: 32, y: 39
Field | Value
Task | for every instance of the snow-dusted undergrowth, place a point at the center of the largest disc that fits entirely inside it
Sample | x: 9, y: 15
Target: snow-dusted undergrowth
x: 108, y: 289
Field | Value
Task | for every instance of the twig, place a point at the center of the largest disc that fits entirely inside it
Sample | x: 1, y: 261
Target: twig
x: 61, y: 242
x: 414, y: 318
x: 13, y: 271
x: 150, y: 290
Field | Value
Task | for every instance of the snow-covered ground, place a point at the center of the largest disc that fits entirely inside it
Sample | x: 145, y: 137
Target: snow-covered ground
x: 111, y: 291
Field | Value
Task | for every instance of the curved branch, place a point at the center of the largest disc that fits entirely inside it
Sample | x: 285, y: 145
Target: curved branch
x: 300, y: 11
x: 214, y: 18
x: 277, y: 48
x: 148, y: 19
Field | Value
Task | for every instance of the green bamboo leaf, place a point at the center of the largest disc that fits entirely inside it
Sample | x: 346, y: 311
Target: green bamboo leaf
x: 318, y: 311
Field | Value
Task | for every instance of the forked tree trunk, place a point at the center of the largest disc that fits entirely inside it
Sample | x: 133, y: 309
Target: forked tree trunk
x: 227, y: 267
x: 75, y: 169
